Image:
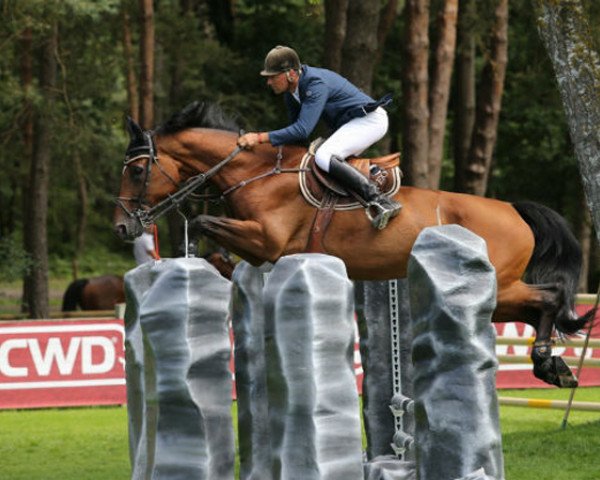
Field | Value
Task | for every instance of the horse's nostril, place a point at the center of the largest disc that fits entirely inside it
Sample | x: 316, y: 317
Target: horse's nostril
x: 121, y: 231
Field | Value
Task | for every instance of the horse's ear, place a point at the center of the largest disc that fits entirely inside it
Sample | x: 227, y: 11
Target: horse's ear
x: 135, y: 131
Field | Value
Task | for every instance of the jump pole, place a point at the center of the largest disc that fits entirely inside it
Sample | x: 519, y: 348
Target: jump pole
x: 549, y: 404
x: 570, y: 342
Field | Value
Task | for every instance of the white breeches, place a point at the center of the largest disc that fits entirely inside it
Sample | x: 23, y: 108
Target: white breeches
x: 353, y: 137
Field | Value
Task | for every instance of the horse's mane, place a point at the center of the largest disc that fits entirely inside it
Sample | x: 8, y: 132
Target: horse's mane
x: 200, y: 115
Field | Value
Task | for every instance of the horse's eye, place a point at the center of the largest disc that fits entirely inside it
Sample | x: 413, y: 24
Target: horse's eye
x: 136, y: 171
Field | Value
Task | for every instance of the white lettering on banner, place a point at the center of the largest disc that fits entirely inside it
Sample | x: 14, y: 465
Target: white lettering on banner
x: 54, y: 354
x: 6, y: 368
x: 87, y: 366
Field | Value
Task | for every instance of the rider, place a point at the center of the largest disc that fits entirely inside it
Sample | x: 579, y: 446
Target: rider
x: 357, y: 121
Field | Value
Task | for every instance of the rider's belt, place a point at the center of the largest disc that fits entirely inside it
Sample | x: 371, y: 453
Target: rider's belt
x: 363, y: 110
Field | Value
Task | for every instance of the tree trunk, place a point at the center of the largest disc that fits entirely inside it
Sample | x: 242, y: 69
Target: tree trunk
x: 35, y: 231
x: 439, y: 91
x: 335, y: 32
x: 386, y: 22
x: 147, y: 64
x: 566, y: 35
x: 132, y: 87
x: 415, y: 137
x: 464, y: 101
x: 360, y: 44
x: 488, y: 105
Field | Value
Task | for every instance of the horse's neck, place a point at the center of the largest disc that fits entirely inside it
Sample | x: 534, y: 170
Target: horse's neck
x: 202, y: 150
x: 250, y: 175
x: 212, y: 147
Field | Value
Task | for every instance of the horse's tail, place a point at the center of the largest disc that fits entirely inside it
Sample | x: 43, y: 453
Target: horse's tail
x: 72, y: 296
x: 556, y: 260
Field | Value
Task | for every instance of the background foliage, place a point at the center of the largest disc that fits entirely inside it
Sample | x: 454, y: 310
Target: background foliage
x: 210, y: 52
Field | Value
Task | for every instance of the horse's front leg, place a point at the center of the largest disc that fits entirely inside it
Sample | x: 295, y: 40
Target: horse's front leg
x: 242, y: 237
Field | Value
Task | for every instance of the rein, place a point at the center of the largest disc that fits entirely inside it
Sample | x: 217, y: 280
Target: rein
x: 148, y: 216
x: 274, y: 171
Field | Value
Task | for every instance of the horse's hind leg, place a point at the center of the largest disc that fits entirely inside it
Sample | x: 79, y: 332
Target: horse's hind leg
x: 550, y: 368
x: 537, y: 305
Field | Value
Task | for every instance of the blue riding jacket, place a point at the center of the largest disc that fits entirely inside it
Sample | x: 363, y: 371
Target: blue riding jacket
x: 323, y: 94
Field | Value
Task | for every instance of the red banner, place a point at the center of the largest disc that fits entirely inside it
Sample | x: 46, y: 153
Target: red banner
x: 62, y: 363
x: 82, y: 362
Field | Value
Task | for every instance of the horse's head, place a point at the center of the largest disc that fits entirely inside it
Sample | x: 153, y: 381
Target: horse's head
x: 145, y: 181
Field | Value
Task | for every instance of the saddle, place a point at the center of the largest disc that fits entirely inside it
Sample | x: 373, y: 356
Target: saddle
x: 316, y: 184
x: 327, y: 195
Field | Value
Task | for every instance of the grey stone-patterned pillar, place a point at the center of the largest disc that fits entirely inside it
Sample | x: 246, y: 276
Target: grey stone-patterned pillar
x: 248, y: 320
x: 178, y: 310
x: 139, y: 412
x: 452, y: 289
x: 313, y: 402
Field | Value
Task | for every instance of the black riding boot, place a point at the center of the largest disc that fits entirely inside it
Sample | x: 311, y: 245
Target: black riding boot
x: 380, y: 208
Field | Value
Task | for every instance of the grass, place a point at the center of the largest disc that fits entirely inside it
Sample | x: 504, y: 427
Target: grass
x: 64, y: 444
x: 91, y: 443
x: 536, y: 447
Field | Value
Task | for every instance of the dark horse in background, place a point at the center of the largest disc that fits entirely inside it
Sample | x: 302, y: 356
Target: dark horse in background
x: 97, y: 293
x: 536, y: 257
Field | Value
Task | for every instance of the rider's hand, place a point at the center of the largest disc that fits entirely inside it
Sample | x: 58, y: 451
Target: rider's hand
x: 250, y: 139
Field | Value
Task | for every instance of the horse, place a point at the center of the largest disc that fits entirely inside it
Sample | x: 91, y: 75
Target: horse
x: 96, y: 293
x: 536, y: 258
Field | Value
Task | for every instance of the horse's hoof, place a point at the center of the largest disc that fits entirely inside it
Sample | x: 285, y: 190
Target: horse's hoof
x: 555, y: 371
x: 566, y: 379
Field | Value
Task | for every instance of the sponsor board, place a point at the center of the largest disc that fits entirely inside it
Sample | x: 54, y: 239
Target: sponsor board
x: 62, y: 363
x: 82, y: 362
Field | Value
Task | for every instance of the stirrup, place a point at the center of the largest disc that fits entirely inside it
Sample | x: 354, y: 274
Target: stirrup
x: 382, y: 214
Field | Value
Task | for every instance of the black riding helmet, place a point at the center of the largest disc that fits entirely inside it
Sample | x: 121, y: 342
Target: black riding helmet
x: 280, y: 59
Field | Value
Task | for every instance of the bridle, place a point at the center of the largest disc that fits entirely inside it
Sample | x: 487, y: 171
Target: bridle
x: 146, y: 214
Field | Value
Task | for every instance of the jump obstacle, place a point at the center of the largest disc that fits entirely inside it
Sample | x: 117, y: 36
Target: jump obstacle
x: 546, y: 403
x: 297, y: 399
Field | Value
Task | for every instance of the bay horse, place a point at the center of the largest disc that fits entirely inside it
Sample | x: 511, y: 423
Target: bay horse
x: 96, y: 293
x: 536, y: 258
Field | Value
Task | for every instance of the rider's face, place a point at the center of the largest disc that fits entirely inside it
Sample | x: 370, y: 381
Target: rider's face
x: 278, y: 83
